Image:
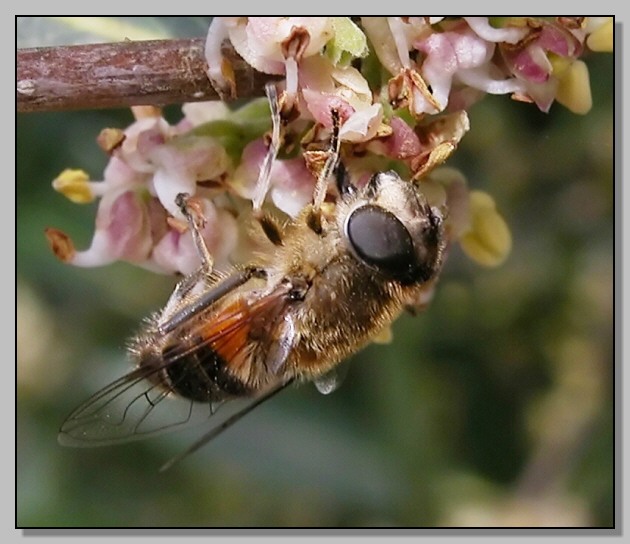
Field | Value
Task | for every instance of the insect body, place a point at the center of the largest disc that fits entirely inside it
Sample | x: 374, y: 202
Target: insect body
x: 328, y: 283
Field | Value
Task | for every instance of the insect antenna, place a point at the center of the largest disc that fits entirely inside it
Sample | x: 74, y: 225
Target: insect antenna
x: 216, y: 431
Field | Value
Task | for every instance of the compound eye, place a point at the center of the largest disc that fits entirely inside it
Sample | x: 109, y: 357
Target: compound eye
x: 382, y: 241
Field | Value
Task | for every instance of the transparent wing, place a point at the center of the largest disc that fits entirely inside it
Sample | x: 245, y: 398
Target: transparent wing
x: 130, y: 409
x: 142, y: 404
x: 126, y: 410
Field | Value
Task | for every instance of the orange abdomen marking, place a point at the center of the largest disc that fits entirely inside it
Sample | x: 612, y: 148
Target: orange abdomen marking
x: 228, y: 333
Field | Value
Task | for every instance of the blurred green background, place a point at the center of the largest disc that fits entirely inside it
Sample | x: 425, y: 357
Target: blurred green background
x: 492, y: 408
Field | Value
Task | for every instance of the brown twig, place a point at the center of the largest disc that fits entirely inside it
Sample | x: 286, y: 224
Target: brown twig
x: 116, y: 75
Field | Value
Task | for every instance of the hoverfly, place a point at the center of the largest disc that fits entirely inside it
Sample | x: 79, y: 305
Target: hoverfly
x: 332, y: 279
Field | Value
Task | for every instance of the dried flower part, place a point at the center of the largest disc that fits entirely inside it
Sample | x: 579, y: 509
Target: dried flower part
x: 295, y: 44
x: 110, y: 138
x: 439, y: 138
x: 409, y: 90
x: 60, y: 244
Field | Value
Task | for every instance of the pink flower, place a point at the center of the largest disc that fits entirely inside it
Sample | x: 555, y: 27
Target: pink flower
x: 274, y: 45
x: 411, y: 109
x: 183, y: 162
x: 150, y: 163
x: 457, y: 63
x: 175, y: 251
x: 123, y: 232
x: 403, y: 143
x: 461, y: 57
x: 327, y: 87
x: 532, y: 59
x: 314, y: 82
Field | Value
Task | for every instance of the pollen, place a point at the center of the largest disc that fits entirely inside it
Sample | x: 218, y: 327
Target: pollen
x: 74, y: 185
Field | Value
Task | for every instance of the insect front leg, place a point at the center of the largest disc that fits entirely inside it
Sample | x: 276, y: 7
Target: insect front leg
x: 194, y: 216
x: 185, y: 286
x: 270, y: 227
x: 264, y: 177
x: 319, y: 194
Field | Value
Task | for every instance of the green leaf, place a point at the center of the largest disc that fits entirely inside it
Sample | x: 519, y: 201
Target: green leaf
x: 244, y: 125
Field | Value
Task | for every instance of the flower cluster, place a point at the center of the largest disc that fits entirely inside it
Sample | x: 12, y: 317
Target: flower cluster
x: 401, y: 87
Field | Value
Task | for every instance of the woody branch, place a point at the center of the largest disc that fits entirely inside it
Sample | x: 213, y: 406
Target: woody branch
x: 123, y: 74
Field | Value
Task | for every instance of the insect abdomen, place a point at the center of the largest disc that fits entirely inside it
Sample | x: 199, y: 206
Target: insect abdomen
x: 200, y: 376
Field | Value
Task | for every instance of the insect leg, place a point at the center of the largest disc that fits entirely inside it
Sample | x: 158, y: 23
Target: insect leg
x: 183, y: 287
x: 264, y: 177
x: 233, y: 281
x: 319, y: 194
x: 195, y: 222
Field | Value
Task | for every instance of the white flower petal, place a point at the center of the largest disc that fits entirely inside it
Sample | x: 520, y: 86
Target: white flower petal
x: 362, y: 125
x: 167, y: 185
x: 199, y: 113
x: 482, y: 27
